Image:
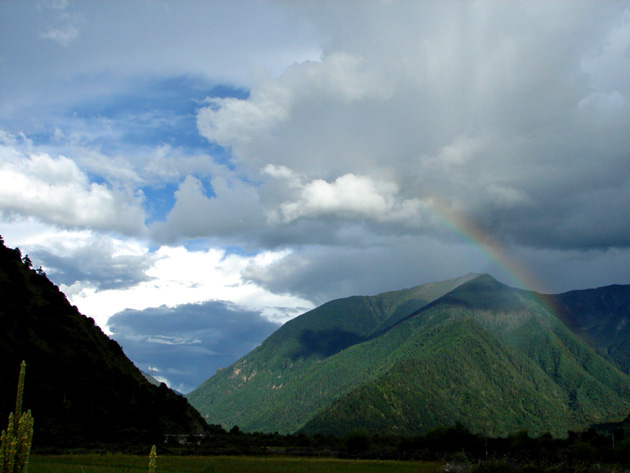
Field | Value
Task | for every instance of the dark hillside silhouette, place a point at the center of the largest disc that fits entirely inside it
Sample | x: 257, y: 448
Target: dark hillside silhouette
x: 81, y: 387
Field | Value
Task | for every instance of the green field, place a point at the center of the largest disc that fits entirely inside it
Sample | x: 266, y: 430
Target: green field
x: 185, y: 464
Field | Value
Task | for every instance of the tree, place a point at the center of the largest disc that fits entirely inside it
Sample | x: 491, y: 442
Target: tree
x: 27, y: 262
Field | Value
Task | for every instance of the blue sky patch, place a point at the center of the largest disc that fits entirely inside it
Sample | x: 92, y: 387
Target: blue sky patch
x: 154, y: 112
x: 158, y: 112
x: 159, y: 200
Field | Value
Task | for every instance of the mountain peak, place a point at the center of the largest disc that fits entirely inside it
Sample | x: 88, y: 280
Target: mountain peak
x: 483, y: 292
x: 485, y: 278
x: 470, y: 349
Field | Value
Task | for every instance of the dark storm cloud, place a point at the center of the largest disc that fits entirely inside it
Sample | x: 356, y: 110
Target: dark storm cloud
x: 185, y: 345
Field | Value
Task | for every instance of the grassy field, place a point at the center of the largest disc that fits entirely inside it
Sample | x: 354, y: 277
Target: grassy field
x: 185, y: 464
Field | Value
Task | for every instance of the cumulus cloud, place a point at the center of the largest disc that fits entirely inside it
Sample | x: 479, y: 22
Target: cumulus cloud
x: 338, y: 78
x: 185, y: 345
x: 495, y: 110
x: 57, y: 191
x: 351, y: 196
x: 261, y: 125
x: 233, y: 209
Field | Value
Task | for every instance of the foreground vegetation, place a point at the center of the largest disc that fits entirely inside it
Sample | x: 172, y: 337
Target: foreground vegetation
x: 449, y: 449
x: 15, y: 446
x: 222, y: 464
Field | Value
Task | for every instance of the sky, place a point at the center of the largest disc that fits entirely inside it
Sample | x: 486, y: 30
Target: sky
x: 194, y: 174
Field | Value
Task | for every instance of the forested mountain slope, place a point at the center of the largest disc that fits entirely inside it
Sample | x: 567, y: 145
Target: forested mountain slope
x: 258, y: 378
x: 601, y: 317
x: 495, y: 358
x: 80, y: 386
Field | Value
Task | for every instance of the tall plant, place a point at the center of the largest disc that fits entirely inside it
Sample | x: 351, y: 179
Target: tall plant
x: 15, y: 446
x: 152, y: 460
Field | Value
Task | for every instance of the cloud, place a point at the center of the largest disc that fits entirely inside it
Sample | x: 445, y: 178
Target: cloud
x: 58, y: 192
x: 254, y: 127
x: 273, y: 155
x: 351, y: 196
x: 236, y: 122
x: 95, y: 261
x: 176, y: 275
x: 185, y: 345
x: 233, y: 209
x: 385, y: 264
x: 495, y: 111
x: 228, y: 43
x: 103, y: 275
x: 602, y: 101
x: 64, y: 36
x: 66, y: 26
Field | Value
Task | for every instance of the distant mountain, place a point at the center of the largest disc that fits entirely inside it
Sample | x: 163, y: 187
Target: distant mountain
x: 601, y: 317
x: 470, y: 350
x: 80, y: 386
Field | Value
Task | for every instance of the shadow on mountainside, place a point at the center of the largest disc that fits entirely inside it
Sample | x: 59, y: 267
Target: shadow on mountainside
x: 325, y: 342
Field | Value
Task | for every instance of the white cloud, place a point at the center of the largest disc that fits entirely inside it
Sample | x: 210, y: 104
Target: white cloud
x: 64, y: 36
x: 506, y: 197
x: 455, y: 154
x: 351, y: 196
x: 57, y: 191
x: 180, y: 276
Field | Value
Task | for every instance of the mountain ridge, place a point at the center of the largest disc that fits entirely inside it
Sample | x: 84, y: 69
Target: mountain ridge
x: 567, y: 386
x: 600, y: 317
x: 285, y: 357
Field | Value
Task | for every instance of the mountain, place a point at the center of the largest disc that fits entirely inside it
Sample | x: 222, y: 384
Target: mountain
x: 472, y: 350
x: 601, y: 317
x: 80, y: 386
x: 271, y: 376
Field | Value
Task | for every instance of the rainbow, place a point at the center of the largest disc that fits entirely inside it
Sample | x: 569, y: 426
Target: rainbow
x: 492, y: 250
